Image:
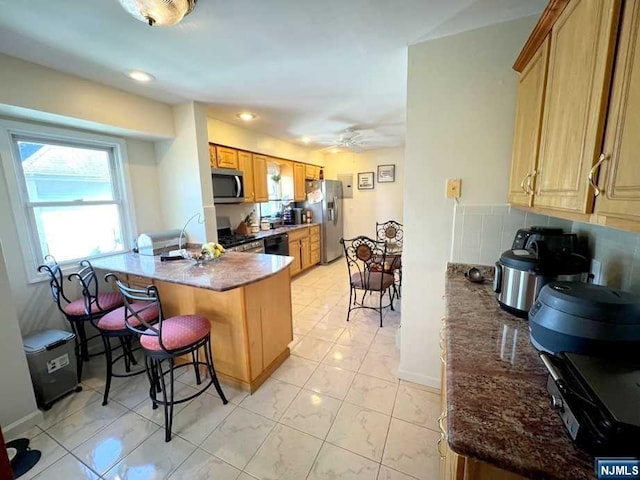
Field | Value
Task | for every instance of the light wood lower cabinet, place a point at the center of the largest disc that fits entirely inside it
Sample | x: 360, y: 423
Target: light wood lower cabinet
x: 294, y: 251
x: 251, y: 326
x: 304, y: 247
x: 314, y: 236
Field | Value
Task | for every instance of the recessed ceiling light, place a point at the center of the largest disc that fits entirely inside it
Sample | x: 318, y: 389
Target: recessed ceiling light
x: 305, y: 139
x: 334, y: 150
x: 246, y: 116
x: 140, y: 76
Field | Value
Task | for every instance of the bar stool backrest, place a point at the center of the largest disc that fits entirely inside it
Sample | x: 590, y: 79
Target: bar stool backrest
x: 145, y: 299
x: 88, y: 280
x: 56, y: 281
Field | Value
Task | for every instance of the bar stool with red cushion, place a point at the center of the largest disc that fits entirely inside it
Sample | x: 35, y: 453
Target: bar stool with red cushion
x: 164, y: 342
x: 90, y: 307
x: 113, y: 325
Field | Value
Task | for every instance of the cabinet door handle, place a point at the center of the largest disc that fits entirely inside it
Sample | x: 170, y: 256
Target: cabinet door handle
x: 522, y: 183
x: 530, y: 180
x: 592, y: 173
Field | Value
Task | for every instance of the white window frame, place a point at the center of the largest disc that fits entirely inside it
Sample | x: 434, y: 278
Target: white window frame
x: 23, y: 208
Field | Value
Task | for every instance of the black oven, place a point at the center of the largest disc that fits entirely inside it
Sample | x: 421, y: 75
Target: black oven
x: 228, y: 185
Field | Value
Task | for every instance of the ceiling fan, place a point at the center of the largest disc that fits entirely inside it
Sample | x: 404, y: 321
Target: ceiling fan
x: 349, y: 138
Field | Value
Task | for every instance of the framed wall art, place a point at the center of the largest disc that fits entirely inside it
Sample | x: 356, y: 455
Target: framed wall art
x: 365, y: 181
x: 386, y: 173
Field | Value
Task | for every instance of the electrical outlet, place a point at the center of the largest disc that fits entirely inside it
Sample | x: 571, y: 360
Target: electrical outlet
x: 454, y: 187
x: 596, y: 271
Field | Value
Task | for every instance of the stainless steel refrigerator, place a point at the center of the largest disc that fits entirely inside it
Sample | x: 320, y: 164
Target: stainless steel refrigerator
x: 324, y: 199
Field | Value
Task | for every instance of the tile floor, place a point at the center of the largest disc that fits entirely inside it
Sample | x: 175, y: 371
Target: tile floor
x: 334, y: 410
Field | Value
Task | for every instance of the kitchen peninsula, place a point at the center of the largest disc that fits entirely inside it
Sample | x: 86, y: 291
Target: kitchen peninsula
x: 246, y: 297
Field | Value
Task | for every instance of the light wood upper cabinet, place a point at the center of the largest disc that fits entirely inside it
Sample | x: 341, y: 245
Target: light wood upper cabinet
x: 260, y: 178
x: 213, y: 163
x: 227, y: 157
x: 526, y: 140
x: 619, y: 178
x: 580, y: 61
x: 311, y: 172
x: 245, y: 165
x: 299, y: 193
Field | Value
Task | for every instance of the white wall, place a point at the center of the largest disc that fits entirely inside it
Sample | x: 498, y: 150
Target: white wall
x: 40, y: 93
x: 18, y: 409
x: 460, y: 115
x: 185, y: 174
x: 367, y: 207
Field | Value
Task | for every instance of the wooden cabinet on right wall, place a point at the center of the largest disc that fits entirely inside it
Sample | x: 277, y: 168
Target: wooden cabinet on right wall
x: 580, y: 63
x: 618, y: 193
x: 526, y: 136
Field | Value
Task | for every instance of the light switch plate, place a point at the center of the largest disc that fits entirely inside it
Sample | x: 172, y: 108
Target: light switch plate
x: 454, y: 188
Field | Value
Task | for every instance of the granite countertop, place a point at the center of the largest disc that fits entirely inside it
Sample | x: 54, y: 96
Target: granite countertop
x: 497, y: 403
x: 231, y: 270
x: 281, y: 230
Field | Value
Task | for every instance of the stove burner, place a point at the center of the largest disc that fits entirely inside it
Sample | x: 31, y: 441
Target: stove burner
x: 232, y: 240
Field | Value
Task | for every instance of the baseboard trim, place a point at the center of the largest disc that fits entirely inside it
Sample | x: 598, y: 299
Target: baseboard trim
x: 425, y: 380
x: 22, y: 425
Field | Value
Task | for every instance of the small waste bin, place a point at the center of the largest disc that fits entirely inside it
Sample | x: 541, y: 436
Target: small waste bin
x: 52, y: 363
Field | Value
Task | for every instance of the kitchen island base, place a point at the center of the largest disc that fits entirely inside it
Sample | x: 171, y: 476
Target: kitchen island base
x: 251, y: 325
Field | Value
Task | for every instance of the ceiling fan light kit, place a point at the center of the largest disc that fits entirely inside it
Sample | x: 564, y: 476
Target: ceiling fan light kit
x: 159, y: 12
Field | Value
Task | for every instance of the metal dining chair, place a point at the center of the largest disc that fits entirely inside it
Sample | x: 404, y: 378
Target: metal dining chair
x: 392, y: 233
x: 365, y: 262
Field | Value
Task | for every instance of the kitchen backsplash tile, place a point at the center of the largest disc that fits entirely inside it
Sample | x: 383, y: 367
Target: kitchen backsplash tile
x: 617, y: 251
x: 482, y: 232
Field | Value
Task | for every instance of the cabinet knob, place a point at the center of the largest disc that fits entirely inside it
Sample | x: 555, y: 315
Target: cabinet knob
x: 526, y: 181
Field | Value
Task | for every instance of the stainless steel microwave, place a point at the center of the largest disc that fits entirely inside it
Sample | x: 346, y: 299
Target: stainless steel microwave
x: 228, y: 185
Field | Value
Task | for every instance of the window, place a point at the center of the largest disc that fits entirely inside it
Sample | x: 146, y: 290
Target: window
x: 71, y: 196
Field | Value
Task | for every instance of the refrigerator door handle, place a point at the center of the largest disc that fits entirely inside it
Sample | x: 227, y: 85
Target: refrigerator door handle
x: 335, y: 209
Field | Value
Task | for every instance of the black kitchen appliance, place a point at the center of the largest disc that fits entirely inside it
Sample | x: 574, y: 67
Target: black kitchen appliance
x: 587, y: 319
x: 277, y: 244
x: 237, y: 242
x: 556, y: 240
x: 598, y: 401
x: 521, y: 274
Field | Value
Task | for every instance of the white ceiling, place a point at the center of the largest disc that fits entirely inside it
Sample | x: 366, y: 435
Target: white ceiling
x: 304, y: 67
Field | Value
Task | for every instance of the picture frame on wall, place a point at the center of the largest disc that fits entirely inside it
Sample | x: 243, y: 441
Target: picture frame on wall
x: 365, y: 181
x: 386, y: 173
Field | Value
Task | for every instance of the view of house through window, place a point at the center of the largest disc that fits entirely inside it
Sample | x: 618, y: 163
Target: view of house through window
x: 73, y: 198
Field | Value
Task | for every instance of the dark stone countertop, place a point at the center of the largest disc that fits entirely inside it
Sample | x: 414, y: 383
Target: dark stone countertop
x: 497, y: 403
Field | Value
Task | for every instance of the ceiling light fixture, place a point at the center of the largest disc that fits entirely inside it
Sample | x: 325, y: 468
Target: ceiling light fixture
x: 246, y: 116
x: 306, y: 139
x: 159, y: 12
x: 140, y: 76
